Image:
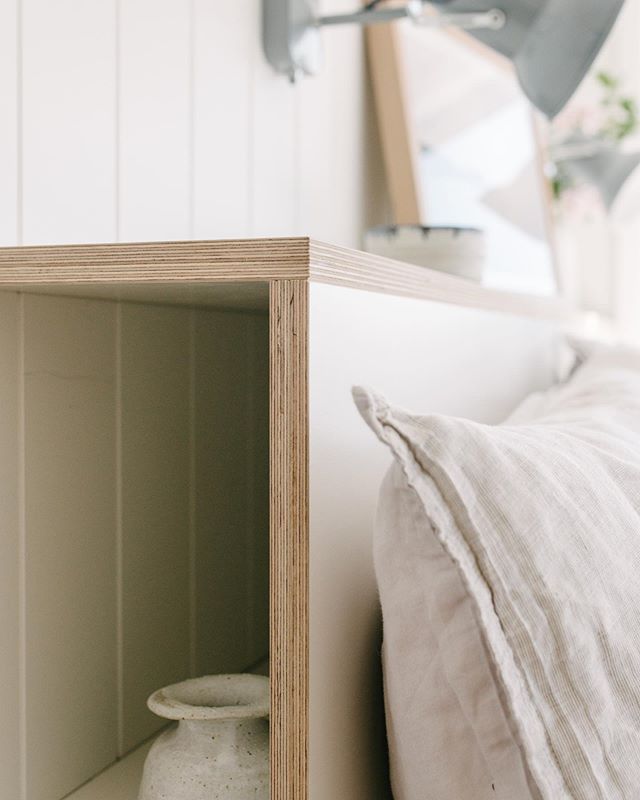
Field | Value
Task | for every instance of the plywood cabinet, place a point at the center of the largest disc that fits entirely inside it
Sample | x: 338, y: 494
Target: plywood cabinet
x: 136, y: 516
x: 186, y: 488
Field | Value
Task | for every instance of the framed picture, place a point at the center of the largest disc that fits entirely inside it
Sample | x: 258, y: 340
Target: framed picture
x: 464, y: 148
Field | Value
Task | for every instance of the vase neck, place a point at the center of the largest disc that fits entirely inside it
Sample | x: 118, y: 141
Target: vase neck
x: 222, y: 733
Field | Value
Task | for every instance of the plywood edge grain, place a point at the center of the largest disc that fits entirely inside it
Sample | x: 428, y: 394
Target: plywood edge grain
x: 233, y: 260
x: 289, y: 535
x: 252, y: 261
x: 358, y: 270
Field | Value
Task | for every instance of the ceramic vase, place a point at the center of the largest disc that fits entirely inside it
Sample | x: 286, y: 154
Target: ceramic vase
x: 219, y: 749
x: 458, y: 251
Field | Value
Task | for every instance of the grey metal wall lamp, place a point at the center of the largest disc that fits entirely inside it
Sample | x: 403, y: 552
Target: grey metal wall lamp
x: 494, y: 18
x: 612, y: 171
x: 291, y: 28
x: 552, y: 43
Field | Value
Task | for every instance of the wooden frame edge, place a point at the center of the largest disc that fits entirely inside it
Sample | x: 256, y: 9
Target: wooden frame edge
x: 397, y: 132
x: 358, y: 270
x: 231, y: 260
x: 289, y: 538
x: 252, y: 261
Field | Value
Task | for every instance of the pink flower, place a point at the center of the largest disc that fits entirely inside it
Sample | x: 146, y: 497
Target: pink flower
x: 580, y: 203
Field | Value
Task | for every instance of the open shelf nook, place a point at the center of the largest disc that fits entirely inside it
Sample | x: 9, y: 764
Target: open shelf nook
x: 137, y: 437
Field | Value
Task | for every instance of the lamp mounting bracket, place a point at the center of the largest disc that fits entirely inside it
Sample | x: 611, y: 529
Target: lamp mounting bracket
x: 291, y: 38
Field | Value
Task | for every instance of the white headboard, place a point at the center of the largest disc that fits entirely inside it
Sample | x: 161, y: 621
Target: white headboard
x: 428, y: 356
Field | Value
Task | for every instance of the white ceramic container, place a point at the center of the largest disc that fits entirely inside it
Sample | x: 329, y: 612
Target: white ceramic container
x: 220, y: 748
x: 457, y: 251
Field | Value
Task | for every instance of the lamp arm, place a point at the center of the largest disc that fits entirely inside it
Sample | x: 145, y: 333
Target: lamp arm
x: 491, y: 19
x: 570, y: 151
x: 372, y: 16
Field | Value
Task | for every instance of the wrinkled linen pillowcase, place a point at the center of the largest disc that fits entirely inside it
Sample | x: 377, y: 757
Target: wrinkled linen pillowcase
x: 448, y: 733
x: 508, y: 560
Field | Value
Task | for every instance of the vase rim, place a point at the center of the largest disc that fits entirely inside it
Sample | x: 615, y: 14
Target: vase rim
x: 213, y: 697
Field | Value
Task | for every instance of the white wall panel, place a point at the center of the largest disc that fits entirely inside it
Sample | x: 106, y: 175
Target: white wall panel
x: 9, y: 55
x: 621, y: 57
x: 154, y: 120
x: 274, y: 145
x: 223, y: 75
x: 315, y: 177
x: 10, y: 546
x: 256, y: 438
x: 474, y: 363
x: 350, y: 145
x: 224, y: 509
x: 154, y: 383
x: 331, y: 137
x: 70, y: 542
x: 162, y: 120
x: 68, y: 132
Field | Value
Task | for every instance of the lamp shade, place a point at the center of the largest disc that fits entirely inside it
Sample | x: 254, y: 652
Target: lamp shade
x: 608, y: 170
x: 552, y: 43
x: 512, y: 201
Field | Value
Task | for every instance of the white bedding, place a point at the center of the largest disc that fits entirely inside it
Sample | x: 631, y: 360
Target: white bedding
x: 508, y: 559
x: 449, y: 734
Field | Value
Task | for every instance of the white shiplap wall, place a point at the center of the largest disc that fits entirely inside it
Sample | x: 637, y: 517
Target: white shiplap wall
x: 11, y: 663
x: 160, y: 119
x: 134, y: 522
x: 70, y: 635
x: 131, y: 120
x: 601, y: 250
x: 623, y: 59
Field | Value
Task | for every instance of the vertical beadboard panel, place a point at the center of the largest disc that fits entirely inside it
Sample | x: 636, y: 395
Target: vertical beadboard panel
x: 257, y: 466
x: 70, y: 542
x: 346, y: 57
x: 332, y: 138
x: 221, y: 407
x: 69, y: 91
x: 274, y: 144
x: 621, y: 57
x: 10, y: 729
x: 160, y: 120
x: 315, y: 174
x: 155, y: 508
x: 9, y: 55
x: 154, y: 119
x: 222, y: 117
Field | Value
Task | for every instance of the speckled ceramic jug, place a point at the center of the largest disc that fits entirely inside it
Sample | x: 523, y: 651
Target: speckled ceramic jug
x: 220, y: 748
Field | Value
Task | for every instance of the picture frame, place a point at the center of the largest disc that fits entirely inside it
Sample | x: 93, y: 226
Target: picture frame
x: 422, y: 78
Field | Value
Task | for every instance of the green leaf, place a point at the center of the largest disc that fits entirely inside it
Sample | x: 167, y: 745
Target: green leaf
x: 607, y: 80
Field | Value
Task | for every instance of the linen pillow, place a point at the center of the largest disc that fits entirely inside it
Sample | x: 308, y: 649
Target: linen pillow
x: 448, y: 733
x: 542, y: 522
